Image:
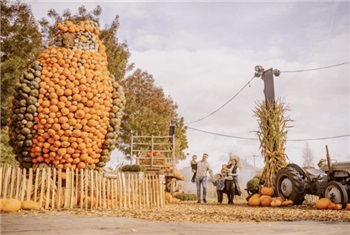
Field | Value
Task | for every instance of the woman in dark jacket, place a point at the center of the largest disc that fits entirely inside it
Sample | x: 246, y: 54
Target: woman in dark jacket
x: 231, y: 182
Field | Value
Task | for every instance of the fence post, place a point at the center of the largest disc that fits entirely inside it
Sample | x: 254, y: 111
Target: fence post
x: 42, y: 186
x: 7, y: 176
x: 59, y: 189
x: 54, y: 190
x: 12, y: 181
x: 1, y: 169
x: 37, y: 172
x: 47, y: 200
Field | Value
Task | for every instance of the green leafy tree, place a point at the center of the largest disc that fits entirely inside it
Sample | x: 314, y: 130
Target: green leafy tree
x: 149, y: 112
x: 7, y: 155
x: 20, y: 44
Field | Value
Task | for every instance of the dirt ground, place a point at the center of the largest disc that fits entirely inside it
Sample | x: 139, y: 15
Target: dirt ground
x: 181, y: 218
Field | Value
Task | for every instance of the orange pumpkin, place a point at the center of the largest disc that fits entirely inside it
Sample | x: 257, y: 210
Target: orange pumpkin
x: 287, y: 203
x: 10, y: 205
x: 323, y: 203
x: 331, y: 206
x: 267, y: 191
x: 338, y: 207
x: 265, y: 200
x: 347, y: 206
x: 254, y: 200
x: 276, y: 202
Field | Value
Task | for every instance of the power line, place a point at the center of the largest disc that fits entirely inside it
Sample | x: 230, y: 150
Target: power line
x: 248, y: 83
x: 247, y: 138
x: 306, y: 70
x: 322, y: 138
x: 229, y: 136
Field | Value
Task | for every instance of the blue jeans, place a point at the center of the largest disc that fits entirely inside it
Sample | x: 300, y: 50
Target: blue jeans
x: 202, y: 181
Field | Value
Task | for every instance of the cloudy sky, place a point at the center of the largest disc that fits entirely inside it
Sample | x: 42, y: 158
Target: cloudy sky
x: 203, y: 53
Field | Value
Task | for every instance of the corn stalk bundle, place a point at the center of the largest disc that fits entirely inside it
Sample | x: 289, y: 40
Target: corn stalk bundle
x: 272, y: 133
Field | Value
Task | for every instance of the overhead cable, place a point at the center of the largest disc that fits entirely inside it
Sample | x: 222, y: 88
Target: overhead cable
x: 306, y: 70
x: 247, y: 138
x: 248, y: 83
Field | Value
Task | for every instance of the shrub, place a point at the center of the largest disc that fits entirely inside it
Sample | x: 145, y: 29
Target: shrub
x: 133, y: 168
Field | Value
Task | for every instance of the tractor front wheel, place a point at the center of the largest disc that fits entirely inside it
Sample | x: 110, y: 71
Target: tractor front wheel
x: 290, y: 185
x: 337, y: 193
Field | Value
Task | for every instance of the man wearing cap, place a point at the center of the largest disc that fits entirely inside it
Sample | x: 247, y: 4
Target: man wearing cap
x: 203, y: 167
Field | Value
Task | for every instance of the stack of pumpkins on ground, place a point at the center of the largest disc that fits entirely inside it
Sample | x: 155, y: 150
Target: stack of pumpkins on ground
x: 327, y: 204
x: 13, y: 205
x: 265, y: 198
x: 67, y: 107
x: 169, y: 198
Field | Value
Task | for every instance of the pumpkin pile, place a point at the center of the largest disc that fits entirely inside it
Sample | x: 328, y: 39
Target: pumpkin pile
x: 265, y: 198
x: 11, y: 205
x: 327, y: 204
x: 67, y: 107
x: 169, y: 198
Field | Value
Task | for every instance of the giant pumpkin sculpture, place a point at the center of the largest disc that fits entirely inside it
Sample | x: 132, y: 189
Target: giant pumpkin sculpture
x: 67, y: 107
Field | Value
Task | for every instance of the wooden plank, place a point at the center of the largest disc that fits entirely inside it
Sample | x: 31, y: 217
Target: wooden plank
x: 157, y: 191
x: 98, y: 189
x: 12, y: 179
x: 47, y: 200
x: 104, y: 193
x: 1, y: 172
x: 120, y: 189
x: 146, y: 191
x: 24, y: 185
x: 66, y: 191
x: 30, y: 184
x: 81, y: 188
x: 42, y: 186
x: 18, y: 182
x: 54, y: 189
x: 112, y: 194
x: 71, y: 189
x: 86, y: 184
x: 132, y: 194
x: 124, y: 189
x: 92, y: 189
x: 59, y: 189
x: 153, y: 190
x: 139, y: 189
x: 76, y: 187
x: 129, y: 193
x: 6, y: 181
x: 108, y: 193
x: 36, y: 184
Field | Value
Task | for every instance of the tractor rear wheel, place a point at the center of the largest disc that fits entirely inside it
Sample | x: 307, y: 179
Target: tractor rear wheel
x: 337, y: 193
x: 290, y: 185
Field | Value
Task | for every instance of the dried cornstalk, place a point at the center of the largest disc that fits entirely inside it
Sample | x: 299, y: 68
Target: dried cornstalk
x: 272, y: 133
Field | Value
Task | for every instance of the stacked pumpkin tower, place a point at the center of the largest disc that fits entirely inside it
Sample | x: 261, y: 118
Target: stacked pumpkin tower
x: 67, y: 107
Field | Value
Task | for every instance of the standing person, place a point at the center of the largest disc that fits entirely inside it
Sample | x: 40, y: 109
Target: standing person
x: 194, y: 167
x: 203, y: 167
x: 231, y: 182
x: 220, y: 185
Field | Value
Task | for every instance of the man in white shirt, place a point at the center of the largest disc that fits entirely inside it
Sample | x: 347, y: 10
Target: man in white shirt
x: 203, y: 167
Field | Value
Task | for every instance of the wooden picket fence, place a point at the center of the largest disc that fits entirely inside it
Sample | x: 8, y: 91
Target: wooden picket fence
x: 84, y: 189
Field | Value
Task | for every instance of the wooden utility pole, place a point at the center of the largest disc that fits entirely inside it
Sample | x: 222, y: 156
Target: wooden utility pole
x: 267, y: 76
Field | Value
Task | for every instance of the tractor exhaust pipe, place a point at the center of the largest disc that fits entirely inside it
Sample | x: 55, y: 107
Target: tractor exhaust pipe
x: 330, y: 170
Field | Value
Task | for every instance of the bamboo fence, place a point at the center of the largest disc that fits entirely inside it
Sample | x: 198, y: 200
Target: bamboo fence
x: 84, y: 189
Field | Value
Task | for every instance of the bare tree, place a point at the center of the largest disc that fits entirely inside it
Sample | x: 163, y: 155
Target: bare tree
x: 307, y: 156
